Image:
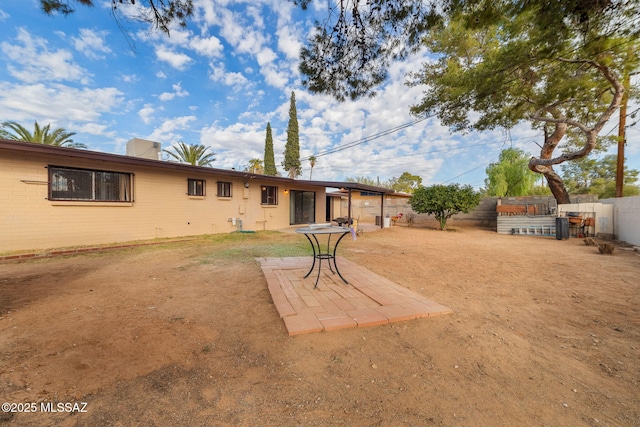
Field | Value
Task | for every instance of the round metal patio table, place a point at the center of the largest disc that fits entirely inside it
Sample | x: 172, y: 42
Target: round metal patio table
x: 329, y: 254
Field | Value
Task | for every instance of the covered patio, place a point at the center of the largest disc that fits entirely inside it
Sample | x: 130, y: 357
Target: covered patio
x: 349, y: 187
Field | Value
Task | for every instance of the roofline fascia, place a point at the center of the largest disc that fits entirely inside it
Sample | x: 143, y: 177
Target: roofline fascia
x: 31, y: 147
x: 350, y: 185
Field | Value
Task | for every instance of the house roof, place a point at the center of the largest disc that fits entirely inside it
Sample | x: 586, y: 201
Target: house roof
x: 129, y: 160
x: 30, y: 147
x: 343, y: 192
x: 349, y: 186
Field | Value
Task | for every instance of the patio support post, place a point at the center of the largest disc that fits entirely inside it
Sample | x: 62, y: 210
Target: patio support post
x: 349, y: 211
x: 381, y: 210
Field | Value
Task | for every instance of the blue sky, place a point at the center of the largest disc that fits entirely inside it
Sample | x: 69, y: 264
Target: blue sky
x: 218, y: 82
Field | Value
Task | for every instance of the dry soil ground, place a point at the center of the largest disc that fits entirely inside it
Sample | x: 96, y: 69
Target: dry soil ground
x: 544, y: 333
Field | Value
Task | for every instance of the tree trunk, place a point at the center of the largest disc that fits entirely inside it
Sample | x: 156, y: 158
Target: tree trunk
x: 557, y: 187
x: 544, y: 164
x: 556, y: 183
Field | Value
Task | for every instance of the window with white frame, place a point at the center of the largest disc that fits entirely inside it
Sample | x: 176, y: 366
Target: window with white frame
x: 74, y: 184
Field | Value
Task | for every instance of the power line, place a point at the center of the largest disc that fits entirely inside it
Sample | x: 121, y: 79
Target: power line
x: 464, y: 173
x: 368, y: 138
x: 433, y: 151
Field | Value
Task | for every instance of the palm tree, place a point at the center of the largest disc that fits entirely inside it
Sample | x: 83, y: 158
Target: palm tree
x: 192, y: 153
x: 255, y: 166
x: 312, y: 160
x: 59, y: 137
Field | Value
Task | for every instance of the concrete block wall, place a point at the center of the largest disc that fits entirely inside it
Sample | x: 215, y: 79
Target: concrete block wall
x: 626, y: 217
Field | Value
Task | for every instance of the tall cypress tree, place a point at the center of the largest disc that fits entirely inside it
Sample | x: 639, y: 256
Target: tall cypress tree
x: 269, y: 160
x: 291, y: 161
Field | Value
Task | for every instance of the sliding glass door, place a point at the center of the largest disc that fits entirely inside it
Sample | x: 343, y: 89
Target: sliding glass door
x: 302, y: 207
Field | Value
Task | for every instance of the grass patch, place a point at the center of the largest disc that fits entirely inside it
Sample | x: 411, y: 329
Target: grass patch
x: 245, y: 247
x: 236, y: 247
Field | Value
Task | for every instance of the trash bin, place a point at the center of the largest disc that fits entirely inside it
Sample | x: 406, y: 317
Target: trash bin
x: 387, y: 222
x: 378, y: 220
x: 562, y: 228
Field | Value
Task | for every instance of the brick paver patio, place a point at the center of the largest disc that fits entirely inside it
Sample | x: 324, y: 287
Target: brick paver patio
x: 368, y: 299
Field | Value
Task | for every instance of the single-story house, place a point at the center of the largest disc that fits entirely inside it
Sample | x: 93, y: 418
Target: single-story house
x: 55, y: 197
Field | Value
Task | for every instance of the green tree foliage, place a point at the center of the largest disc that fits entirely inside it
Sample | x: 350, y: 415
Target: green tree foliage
x: 350, y: 51
x: 406, y: 183
x: 444, y: 201
x: 557, y: 65
x: 255, y: 166
x: 269, y: 159
x: 363, y: 180
x: 510, y: 176
x: 159, y: 13
x: 41, y: 135
x: 593, y: 176
x: 291, y: 162
x: 194, y: 154
x: 312, y: 163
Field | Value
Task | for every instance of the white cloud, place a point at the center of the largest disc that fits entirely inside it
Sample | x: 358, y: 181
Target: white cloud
x: 168, y: 132
x: 236, y: 80
x: 146, y: 113
x: 33, y: 61
x: 230, y: 27
x: 93, y: 129
x: 179, y: 61
x: 265, y: 57
x: 177, y: 91
x: 207, y: 46
x: 91, y: 43
x: 274, y: 77
x: 289, y: 34
x: 63, y: 103
x: 256, y: 14
x: 205, y: 12
x: 130, y: 78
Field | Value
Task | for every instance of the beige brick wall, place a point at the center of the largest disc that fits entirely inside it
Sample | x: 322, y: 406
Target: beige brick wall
x: 161, y: 207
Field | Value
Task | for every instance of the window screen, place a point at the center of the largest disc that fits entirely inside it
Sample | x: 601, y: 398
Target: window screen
x: 89, y: 185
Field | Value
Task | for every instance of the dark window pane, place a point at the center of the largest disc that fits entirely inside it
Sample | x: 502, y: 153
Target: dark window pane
x: 269, y: 195
x: 195, y: 187
x: 224, y: 189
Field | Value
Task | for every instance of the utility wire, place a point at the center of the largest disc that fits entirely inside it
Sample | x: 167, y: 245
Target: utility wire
x: 368, y: 138
x: 464, y: 173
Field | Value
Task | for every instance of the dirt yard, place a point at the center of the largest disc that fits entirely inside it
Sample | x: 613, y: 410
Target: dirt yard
x: 544, y: 333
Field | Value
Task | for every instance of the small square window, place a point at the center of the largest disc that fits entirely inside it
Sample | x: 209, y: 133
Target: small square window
x: 196, y: 187
x: 224, y: 189
x: 269, y: 195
